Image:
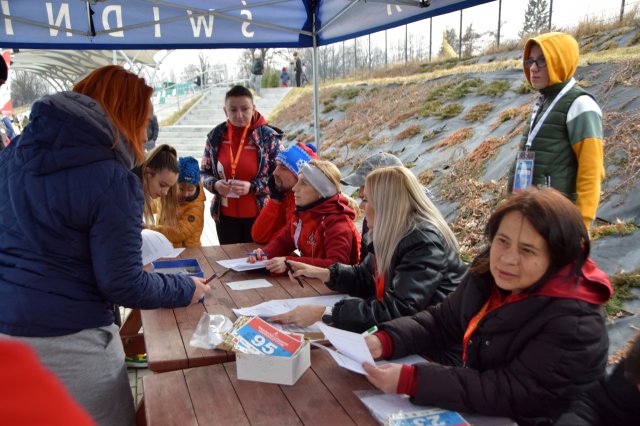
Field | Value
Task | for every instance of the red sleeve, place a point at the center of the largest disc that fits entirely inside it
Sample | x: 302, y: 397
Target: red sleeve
x: 282, y: 244
x: 31, y: 394
x: 338, y: 238
x: 269, y: 222
x: 408, y: 380
x: 387, y: 344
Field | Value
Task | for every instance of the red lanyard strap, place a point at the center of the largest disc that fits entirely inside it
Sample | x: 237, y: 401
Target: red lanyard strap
x: 236, y: 158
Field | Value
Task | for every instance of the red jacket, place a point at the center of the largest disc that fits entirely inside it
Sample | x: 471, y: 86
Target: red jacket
x: 31, y: 394
x: 329, y: 221
x: 272, y: 219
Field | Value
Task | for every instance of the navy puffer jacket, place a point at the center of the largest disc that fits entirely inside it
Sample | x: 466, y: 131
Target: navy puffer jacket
x: 70, y: 223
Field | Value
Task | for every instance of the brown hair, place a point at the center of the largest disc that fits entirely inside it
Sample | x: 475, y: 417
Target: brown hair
x: 554, y: 217
x: 162, y: 157
x: 125, y: 98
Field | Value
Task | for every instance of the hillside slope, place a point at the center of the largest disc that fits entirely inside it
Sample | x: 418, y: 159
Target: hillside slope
x: 457, y: 127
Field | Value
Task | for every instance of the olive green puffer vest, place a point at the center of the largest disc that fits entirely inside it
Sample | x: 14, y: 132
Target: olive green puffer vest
x: 555, y: 159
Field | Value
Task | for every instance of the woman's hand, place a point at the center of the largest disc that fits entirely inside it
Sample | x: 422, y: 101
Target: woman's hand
x: 201, y: 289
x: 302, y: 316
x: 384, y: 377
x: 222, y: 187
x: 240, y: 187
x: 303, y: 270
x: 276, y: 265
x: 375, y: 346
x: 258, y: 254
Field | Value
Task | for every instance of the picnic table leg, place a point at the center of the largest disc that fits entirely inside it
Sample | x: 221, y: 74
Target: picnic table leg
x: 132, y: 339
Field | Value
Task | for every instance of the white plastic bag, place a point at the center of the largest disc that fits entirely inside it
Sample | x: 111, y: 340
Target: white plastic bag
x: 210, y: 331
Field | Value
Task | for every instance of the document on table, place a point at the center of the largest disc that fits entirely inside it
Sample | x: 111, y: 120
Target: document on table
x: 155, y: 245
x: 248, y: 284
x: 240, y: 264
x: 351, y: 349
x: 280, y: 306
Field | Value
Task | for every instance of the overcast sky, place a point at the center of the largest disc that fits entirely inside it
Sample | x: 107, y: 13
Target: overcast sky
x: 566, y: 14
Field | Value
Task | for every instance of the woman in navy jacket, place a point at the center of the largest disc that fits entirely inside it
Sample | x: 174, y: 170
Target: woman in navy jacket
x: 70, y: 242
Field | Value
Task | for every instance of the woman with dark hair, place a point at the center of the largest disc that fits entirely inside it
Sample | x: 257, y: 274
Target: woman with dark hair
x: 239, y: 156
x: 70, y: 221
x: 528, y: 314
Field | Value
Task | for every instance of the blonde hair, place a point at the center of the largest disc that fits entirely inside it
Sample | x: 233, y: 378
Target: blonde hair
x: 400, y: 205
x: 163, y: 157
x: 333, y: 174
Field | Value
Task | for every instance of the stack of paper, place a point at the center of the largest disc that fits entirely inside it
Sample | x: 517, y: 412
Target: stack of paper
x: 155, y: 245
x: 241, y: 264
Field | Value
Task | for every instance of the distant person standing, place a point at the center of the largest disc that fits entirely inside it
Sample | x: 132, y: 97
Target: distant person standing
x: 257, y: 68
x: 562, y: 147
x: 239, y: 156
x: 284, y: 77
x: 152, y: 134
x: 297, y: 68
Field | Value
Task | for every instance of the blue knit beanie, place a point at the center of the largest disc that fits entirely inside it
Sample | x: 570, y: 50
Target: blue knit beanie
x: 297, y: 155
x: 189, y: 170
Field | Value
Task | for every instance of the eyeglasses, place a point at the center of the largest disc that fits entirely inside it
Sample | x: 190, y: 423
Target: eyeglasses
x: 540, y: 62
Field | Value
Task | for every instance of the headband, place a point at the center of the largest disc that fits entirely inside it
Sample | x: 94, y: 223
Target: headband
x: 318, y: 180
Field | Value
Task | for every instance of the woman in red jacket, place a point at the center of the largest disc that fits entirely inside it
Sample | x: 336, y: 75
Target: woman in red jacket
x: 322, y: 215
x: 528, y: 314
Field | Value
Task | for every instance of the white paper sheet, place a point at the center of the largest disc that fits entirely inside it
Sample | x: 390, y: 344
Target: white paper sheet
x: 280, y: 306
x: 349, y: 345
x: 155, y: 245
x: 240, y: 264
x: 248, y: 284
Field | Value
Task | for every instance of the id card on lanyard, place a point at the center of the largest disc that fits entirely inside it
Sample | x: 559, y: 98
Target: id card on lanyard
x: 235, y: 159
x: 523, y: 177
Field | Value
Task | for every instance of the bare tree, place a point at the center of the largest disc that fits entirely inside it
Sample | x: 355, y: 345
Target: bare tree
x: 26, y: 87
x: 470, y: 41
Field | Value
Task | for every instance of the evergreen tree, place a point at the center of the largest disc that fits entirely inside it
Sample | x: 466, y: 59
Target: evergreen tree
x: 469, y: 41
x: 536, y: 18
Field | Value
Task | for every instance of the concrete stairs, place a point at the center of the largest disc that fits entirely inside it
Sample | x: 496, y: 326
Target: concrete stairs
x: 189, y: 134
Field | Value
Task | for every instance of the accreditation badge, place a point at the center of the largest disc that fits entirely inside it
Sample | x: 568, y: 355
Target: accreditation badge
x: 523, y: 178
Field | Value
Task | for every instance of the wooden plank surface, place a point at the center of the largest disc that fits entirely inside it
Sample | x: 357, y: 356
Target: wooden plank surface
x: 169, y: 331
x: 219, y: 398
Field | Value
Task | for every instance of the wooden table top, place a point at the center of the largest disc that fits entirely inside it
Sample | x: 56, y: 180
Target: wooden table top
x: 212, y: 395
x: 167, y: 332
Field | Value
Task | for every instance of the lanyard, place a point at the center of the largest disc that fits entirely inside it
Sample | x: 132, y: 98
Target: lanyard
x: 379, y: 282
x: 236, y: 158
x: 534, y: 131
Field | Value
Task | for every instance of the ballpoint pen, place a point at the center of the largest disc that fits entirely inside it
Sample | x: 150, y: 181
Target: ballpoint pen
x: 370, y: 331
x: 208, y: 280
x: 286, y: 262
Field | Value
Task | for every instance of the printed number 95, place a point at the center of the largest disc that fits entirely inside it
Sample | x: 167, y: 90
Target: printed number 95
x: 264, y: 345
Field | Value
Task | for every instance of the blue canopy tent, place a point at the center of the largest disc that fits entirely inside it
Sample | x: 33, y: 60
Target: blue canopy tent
x: 193, y: 24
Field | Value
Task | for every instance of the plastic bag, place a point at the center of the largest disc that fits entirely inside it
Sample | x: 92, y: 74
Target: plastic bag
x: 210, y: 331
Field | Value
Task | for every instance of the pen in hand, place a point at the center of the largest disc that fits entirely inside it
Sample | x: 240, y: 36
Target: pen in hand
x: 290, y: 269
x: 207, y: 281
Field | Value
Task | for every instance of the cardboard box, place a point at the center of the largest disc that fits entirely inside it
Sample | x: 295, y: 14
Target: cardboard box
x: 189, y: 267
x: 273, y: 369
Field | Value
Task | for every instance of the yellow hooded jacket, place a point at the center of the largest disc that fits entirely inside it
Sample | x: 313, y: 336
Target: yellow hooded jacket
x: 583, y: 119
x: 190, y: 223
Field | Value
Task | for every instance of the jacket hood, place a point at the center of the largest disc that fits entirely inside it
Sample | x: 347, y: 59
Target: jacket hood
x: 68, y: 130
x: 337, y: 204
x: 257, y: 120
x: 594, y: 287
x: 561, y: 52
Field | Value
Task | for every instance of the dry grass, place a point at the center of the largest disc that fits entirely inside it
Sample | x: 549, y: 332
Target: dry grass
x: 478, y: 112
x: 622, y: 149
x: 620, y: 228
x: 517, y: 113
x: 426, y: 177
x: 409, y: 132
x: 454, y: 139
x: 399, y: 119
x: 485, y: 151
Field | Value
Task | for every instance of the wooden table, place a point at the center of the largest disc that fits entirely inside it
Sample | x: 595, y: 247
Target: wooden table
x: 213, y: 395
x: 167, y: 331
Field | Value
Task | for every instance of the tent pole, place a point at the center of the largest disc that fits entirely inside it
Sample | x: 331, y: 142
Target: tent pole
x: 316, y: 97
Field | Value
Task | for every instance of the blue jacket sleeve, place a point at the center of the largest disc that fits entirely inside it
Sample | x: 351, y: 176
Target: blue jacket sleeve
x: 116, y: 244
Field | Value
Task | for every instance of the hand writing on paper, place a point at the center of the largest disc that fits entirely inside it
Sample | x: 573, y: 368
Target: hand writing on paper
x: 222, y: 187
x: 201, y: 289
x: 303, y: 270
x: 384, y: 377
x: 240, y: 187
x: 258, y: 254
x: 276, y: 265
x: 302, y: 316
x: 374, y: 345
